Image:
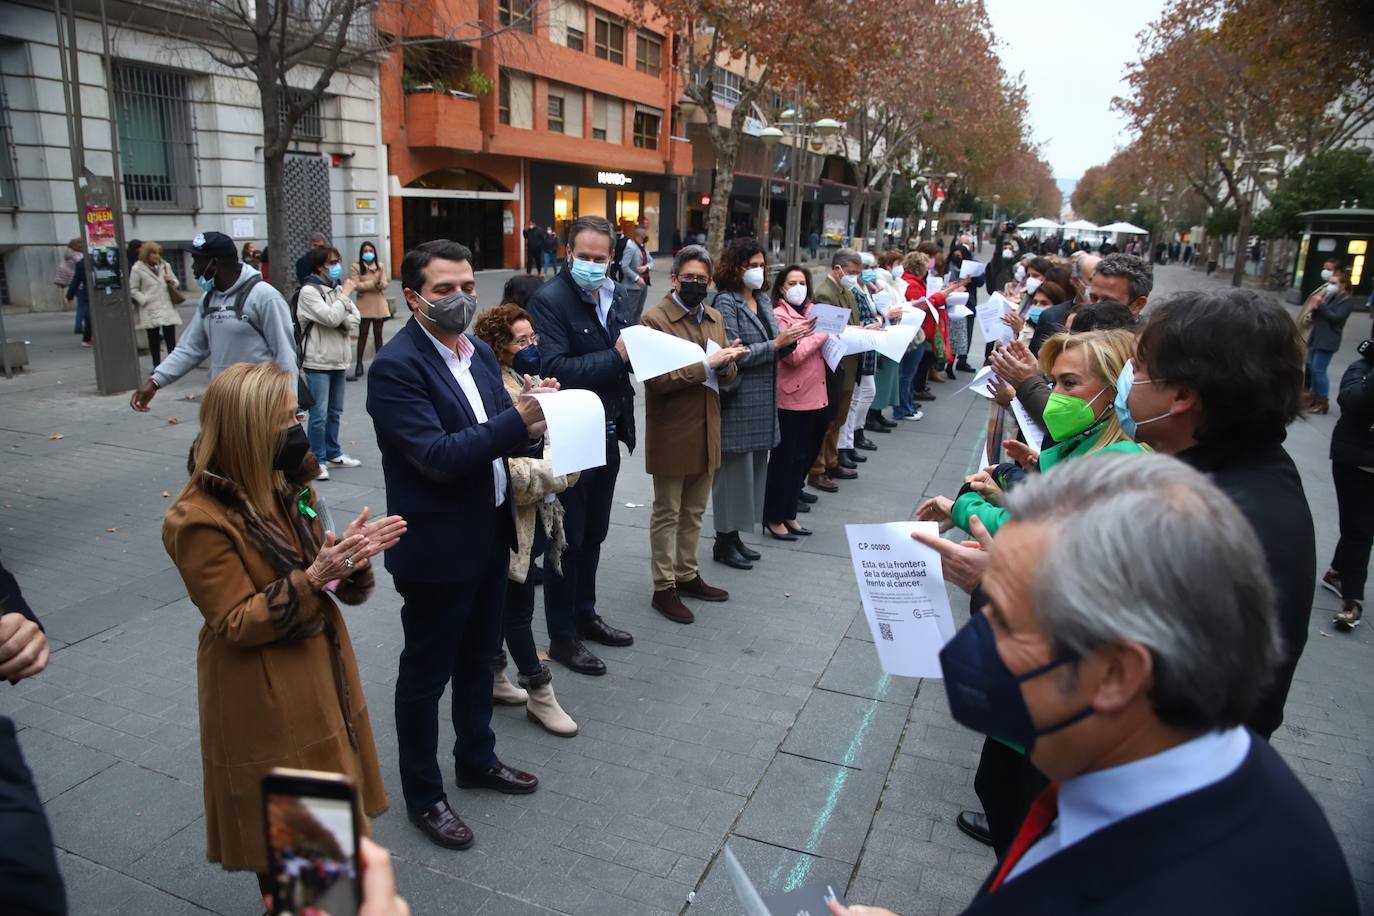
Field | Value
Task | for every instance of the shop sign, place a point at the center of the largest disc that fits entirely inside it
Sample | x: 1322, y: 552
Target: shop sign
x: 365, y: 203
x: 619, y: 179
x: 241, y: 200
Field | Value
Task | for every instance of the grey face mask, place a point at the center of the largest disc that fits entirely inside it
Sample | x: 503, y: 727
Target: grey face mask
x: 452, y: 313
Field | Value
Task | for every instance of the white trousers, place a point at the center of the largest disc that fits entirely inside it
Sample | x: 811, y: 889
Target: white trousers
x: 864, y: 393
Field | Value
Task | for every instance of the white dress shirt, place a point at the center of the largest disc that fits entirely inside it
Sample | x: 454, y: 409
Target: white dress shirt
x: 460, y: 365
x: 605, y: 295
x: 1096, y: 800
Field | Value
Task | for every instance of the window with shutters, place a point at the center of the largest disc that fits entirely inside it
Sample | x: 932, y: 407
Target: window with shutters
x: 503, y: 105
x: 577, y: 38
x: 156, y: 136
x: 556, y: 122
x: 648, y: 53
x: 610, y: 40
x: 646, y: 130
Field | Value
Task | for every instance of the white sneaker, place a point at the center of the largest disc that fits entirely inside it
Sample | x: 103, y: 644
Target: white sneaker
x: 919, y: 415
x: 343, y: 461
x: 323, y: 475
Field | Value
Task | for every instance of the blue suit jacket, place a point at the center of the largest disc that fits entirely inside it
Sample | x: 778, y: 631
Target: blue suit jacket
x: 436, y: 457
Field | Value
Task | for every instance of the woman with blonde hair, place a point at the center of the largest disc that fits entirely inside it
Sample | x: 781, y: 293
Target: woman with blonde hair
x: 277, y: 680
x: 155, y: 292
x: 1079, y: 417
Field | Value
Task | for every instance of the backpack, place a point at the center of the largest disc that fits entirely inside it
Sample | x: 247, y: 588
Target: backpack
x: 305, y: 400
x: 300, y: 330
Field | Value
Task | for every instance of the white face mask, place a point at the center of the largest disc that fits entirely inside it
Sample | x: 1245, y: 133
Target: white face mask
x: 1007, y: 253
x: 1326, y: 275
x: 753, y: 278
x: 1033, y: 283
x: 1020, y: 272
x: 849, y: 281
x: 795, y: 295
x: 897, y: 271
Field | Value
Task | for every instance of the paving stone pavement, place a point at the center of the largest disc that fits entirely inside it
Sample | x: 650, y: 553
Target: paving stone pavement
x: 768, y: 722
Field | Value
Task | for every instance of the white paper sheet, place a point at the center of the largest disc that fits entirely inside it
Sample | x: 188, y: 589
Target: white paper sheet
x: 913, y: 316
x: 577, y: 429
x: 959, y: 312
x: 711, y: 381
x: 934, y: 284
x: 971, y: 269
x: 893, y: 341
x: 832, y: 350
x: 902, y: 586
x: 830, y: 319
x: 653, y: 353
x: 990, y: 319
x: 1033, y: 431
x: 982, y: 383
x: 882, y: 302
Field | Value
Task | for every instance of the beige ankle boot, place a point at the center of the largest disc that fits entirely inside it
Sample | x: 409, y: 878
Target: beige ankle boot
x: 505, y: 693
x: 543, y: 708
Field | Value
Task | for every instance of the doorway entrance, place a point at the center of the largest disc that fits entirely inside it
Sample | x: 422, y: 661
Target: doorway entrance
x: 459, y: 210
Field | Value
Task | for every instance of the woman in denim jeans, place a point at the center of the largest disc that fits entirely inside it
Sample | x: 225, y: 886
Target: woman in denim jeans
x: 328, y: 322
x: 1328, y: 321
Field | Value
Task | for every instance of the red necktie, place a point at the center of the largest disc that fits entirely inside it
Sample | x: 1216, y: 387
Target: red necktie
x: 1035, y: 826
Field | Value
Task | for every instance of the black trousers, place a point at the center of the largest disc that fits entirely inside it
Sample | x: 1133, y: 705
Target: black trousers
x: 570, y: 597
x: 1355, y: 505
x: 518, y: 615
x: 923, y: 370
x: 156, y: 336
x: 452, y: 629
x: 1007, y: 784
x: 799, y: 438
x: 534, y: 259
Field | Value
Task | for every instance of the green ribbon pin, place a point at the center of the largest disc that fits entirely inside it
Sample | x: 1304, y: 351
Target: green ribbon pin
x: 304, y: 506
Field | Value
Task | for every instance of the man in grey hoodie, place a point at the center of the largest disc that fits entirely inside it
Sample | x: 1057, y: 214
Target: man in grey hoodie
x: 241, y: 319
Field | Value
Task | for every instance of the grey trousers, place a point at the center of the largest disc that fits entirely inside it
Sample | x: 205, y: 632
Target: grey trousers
x: 737, y: 493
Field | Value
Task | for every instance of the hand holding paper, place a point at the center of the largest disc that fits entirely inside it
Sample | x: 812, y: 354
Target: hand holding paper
x: 990, y: 315
x: 577, y: 428
x: 653, y: 353
x: 972, y: 269
x: 830, y: 319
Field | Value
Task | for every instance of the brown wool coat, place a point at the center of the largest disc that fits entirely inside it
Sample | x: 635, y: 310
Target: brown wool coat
x: 681, y: 415
x: 278, y: 683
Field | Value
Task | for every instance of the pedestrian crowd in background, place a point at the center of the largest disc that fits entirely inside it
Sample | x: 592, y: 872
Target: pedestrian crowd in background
x: 1139, y: 570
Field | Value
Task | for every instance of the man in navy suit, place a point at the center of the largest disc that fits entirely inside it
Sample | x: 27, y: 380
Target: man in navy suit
x: 1129, y: 633
x: 445, y: 426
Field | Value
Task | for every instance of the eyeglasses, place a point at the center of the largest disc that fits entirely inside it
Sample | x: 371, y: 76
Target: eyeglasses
x: 527, y: 341
x: 693, y: 278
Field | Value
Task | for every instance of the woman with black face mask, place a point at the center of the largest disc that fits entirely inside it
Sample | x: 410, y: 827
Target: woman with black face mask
x: 278, y: 682
x: 509, y: 330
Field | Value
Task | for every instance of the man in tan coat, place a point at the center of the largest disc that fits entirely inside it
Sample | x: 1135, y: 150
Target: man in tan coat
x: 682, y: 434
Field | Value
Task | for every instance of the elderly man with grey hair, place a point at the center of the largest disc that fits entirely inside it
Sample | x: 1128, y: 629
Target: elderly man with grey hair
x: 303, y: 268
x: 1122, y: 278
x: 682, y: 434
x: 837, y: 288
x: 1128, y: 633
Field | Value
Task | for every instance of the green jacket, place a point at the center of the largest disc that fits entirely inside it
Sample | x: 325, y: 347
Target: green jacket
x: 994, y: 517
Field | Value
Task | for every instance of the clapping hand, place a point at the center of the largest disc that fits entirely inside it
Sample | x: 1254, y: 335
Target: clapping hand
x: 793, y: 333
x: 1018, y: 451
x: 985, y: 486
x: 937, y: 509
x: 727, y: 355
x: 528, y: 407
x: 1015, y: 321
x: 338, y: 559
x: 1014, y: 363
x: 384, y: 532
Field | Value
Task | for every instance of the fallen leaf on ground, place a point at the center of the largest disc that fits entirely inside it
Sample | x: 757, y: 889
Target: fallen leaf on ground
x: 166, y: 493
x: 57, y: 436
x: 190, y: 397
x: 787, y: 594
x: 111, y: 530
x: 172, y: 421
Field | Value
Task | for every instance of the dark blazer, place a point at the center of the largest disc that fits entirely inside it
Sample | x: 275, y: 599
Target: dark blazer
x: 1352, y: 441
x: 436, y: 457
x: 1264, y: 483
x: 575, y: 349
x: 749, y: 409
x: 1328, y: 322
x: 30, y: 884
x: 1254, y: 843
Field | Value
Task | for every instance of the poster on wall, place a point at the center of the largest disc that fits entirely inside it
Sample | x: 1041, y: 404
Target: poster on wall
x: 102, y: 252
x: 836, y: 222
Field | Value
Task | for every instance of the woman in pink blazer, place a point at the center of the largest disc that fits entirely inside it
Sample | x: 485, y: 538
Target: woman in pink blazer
x: 802, y: 403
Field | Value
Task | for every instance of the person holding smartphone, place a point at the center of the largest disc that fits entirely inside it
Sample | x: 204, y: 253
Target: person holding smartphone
x: 278, y: 683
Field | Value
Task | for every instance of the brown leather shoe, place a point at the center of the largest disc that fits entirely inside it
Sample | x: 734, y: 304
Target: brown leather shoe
x: 442, y: 825
x: 501, y: 778
x: 840, y: 473
x: 697, y: 588
x: 667, y: 603
x: 823, y: 483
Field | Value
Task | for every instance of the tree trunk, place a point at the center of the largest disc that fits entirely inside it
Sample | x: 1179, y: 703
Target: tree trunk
x: 727, y: 151
x: 274, y: 174
x: 1242, y: 244
x: 882, y: 212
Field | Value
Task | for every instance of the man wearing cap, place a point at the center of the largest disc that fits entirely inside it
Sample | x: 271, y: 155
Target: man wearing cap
x: 303, y: 268
x: 240, y: 319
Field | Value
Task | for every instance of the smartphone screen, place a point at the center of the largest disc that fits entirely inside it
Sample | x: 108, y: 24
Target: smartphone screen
x: 312, y: 845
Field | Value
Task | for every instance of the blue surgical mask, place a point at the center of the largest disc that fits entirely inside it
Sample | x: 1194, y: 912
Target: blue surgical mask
x: 526, y: 361
x: 984, y: 695
x: 369, y: 256
x: 206, y: 283
x: 1124, y: 380
x: 335, y: 272
x: 1035, y: 312
x: 587, y: 274
x: 870, y: 275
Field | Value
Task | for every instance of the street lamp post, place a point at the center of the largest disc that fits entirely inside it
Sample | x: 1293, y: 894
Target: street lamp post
x: 802, y: 133
x: 769, y: 136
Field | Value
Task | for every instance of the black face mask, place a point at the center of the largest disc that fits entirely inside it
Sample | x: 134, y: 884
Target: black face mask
x: 692, y: 294
x: 291, y: 450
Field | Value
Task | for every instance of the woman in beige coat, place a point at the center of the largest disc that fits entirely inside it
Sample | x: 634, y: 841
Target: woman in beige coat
x: 328, y: 320
x: 277, y: 680
x: 369, y: 280
x: 509, y: 331
x: 151, y: 285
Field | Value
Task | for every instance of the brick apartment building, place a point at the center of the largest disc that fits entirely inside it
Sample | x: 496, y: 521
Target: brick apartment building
x: 567, y: 111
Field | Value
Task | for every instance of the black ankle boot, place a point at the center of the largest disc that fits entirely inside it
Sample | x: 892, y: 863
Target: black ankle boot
x: 745, y: 550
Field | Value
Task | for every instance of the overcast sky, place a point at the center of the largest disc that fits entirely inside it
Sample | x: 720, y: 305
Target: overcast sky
x: 1073, y: 57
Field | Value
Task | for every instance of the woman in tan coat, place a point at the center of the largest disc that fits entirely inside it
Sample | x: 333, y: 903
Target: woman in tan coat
x: 369, y: 282
x: 151, y: 287
x: 509, y: 331
x: 278, y: 683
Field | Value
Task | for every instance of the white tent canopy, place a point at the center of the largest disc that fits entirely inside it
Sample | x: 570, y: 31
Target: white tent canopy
x: 1127, y: 228
x: 1082, y: 225
x: 1040, y: 223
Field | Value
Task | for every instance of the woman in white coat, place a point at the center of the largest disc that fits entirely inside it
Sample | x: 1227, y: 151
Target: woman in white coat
x: 328, y: 321
x: 155, y: 293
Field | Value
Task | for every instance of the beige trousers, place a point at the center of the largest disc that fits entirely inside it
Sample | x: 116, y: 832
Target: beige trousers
x: 675, y: 527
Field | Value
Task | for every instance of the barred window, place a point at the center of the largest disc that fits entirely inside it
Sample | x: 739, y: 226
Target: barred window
x: 310, y: 126
x: 156, y: 136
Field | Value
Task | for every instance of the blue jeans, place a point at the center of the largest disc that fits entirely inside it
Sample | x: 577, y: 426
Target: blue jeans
x: 1318, y: 361
x: 83, y: 317
x: 906, y: 377
x: 327, y: 386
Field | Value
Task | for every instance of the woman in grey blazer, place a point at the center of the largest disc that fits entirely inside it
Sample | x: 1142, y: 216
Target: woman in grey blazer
x: 748, y: 409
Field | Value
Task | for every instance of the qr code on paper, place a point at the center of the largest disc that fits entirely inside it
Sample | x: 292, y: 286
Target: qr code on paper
x: 885, y: 631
